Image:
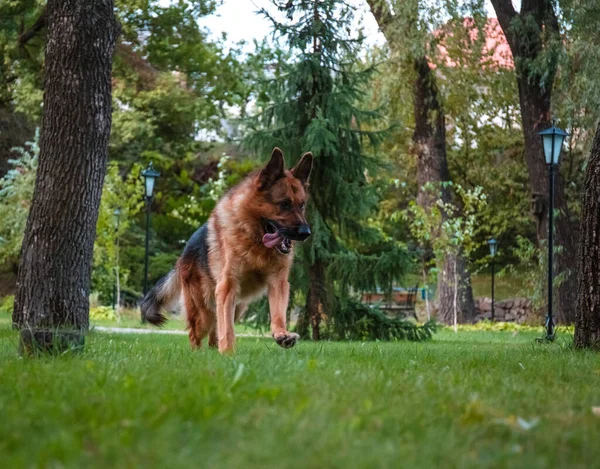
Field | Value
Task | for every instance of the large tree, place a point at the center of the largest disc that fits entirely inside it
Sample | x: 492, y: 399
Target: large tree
x: 587, y: 325
x: 533, y: 34
x: 429, y: 142
x: 51, y: 305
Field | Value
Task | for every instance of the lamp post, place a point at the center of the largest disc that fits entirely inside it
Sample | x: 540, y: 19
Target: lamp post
x: 117, y: 288
x: 150, y: 175
x: 493, y: 245
x: 552, y: 139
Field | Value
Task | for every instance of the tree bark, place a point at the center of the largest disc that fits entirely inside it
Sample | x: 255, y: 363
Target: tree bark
x: 51, y: 305
x: 429, y: 147
x: 525, y: 33
x: 587, y: 324
x: 465, y: 302
x: 316, y: 298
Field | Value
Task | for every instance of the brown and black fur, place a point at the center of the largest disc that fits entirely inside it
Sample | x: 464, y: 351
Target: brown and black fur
x: 225, y: 264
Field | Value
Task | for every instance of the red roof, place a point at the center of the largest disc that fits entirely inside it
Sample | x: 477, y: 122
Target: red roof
x: 495, y: 52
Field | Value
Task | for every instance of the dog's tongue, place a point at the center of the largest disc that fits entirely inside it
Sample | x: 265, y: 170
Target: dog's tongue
x: 271, y: 240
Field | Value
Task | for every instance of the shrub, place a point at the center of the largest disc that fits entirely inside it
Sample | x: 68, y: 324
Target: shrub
x: 508, y: 326
x: 363, y: 322
x: 7, y: 304
x: 103, y: 312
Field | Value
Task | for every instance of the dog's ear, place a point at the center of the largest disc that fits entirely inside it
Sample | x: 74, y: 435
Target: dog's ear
x: 302, y: 170
x: 274, y: 169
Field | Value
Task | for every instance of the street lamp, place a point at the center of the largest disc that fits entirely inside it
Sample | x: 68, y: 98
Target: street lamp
x: 116, y: 218
x: 552, y: 139
x: 150, y: 175
x: 117, y: 288
x: 493, y: 246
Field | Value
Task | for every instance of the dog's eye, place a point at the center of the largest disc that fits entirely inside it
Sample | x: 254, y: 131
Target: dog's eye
x: 286, y: 205
x: 302, y: 205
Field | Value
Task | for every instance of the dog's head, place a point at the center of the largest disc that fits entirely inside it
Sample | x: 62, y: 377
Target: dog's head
x: 283, y: 195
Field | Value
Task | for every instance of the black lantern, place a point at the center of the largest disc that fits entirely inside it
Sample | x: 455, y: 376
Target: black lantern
x: 493, y: 245
x: 150, y: 176
x: 552, y: 140
x: 116, y: 218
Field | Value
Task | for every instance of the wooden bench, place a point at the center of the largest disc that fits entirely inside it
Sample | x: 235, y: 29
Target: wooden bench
x: 401, y: 302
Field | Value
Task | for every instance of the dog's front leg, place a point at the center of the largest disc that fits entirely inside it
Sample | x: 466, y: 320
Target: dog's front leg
x: 279, y: 293
x: 225, y: 299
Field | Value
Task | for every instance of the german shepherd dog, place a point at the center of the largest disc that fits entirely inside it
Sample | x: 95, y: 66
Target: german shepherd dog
x: 244, y: 250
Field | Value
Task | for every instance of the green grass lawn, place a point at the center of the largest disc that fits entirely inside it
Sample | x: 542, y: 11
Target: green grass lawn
x: 466, y: 400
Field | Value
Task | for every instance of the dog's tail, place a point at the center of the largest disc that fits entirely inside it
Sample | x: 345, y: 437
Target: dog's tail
x: 164, y: 295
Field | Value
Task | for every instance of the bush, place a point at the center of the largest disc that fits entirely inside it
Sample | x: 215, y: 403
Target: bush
x: 103, y: 312
x: 7, y: 304
x: 358, y: 321
x: 508, y: 326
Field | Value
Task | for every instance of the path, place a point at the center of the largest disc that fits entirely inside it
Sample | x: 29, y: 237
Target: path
x: 132, y: 330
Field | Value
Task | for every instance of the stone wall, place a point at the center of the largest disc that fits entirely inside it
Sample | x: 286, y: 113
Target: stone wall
x: 519, y: 310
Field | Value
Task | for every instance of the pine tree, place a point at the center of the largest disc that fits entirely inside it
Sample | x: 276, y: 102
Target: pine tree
x: 313, y: 107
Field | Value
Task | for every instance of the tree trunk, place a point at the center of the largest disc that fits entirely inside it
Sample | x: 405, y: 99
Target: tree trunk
x: 587, y: 324
x: 429, y: 139
x: 465, y: 301
x: 51, y: 305
x: 316, y: 298
x: 426, y: 291
x: 527, y: 33
x: 429, y: 146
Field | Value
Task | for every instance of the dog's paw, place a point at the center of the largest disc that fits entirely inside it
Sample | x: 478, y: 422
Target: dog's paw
x: 286, y: 339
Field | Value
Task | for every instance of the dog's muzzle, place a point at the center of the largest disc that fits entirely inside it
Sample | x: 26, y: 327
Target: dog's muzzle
x: 302, y: 232
x: 281, y: 238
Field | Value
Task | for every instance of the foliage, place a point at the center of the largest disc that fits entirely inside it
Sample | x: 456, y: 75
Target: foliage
x: 126, y: 196
x: 197, y: 207
x: 169, y: 37
x: 7, y: 304
x: 576, y: 96
x: 358, y: 321
x: 533, y: 262
x: 484, y: 144
x: 21, y: 63
x: 164, y: 57
x: 447, y: 226
x: 102, y: 313
x: 510, y: 327
x: 16, y: 193
x: 313, y: 105
x: 368, y: 272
